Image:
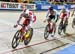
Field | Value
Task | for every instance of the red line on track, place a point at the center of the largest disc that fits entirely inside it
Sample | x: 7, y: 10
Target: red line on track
x: 32, y: 45
x: 26, y: 46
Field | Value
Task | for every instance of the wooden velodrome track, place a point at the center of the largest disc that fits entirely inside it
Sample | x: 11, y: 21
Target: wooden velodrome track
x: 38, y: 44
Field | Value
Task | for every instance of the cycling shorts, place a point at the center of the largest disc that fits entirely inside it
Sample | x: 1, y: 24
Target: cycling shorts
x: 52, y: 17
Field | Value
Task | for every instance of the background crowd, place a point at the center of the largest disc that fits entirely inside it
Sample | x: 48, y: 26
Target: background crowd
x: 31, y: 1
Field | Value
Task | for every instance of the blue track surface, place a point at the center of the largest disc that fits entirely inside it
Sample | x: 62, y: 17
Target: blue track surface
x: 68, y: 50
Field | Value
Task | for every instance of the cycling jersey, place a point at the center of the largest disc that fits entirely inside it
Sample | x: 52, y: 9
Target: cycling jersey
x: 52, y: 15
x: 29, y: 16
x: 64, y: 15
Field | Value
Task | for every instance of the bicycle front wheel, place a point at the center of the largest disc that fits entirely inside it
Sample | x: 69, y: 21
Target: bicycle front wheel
x: 59, y: 30
x: 16, y: 38
x: 46, y: 32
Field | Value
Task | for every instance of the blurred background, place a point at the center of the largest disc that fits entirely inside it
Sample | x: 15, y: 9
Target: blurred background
x: 32, y: 1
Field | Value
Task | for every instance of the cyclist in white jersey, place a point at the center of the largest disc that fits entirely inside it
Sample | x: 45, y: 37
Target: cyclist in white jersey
x: 51, y: 18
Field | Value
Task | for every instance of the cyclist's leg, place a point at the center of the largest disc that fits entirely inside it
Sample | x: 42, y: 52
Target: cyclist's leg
x: 57, y: 18
x: 27, y: 29
x: 66, y: 21
x: 54, y: 26
x: 49, y: 24
x: 25, y: 23
x: 50, y: 20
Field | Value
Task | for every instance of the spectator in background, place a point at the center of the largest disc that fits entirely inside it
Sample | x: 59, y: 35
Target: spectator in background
x: 73, y: 0
x: 61, y: 0
x: 65, y: 0
x: 57, y: 0
x: 13, y: 0
x: 9, y: 0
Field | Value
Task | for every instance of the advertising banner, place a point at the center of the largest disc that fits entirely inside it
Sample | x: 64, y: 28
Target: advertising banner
x: 45, y: 6
x: 61, y: 7
x: 29, y: 6
x: 15, y: 6
x: 72, y: 6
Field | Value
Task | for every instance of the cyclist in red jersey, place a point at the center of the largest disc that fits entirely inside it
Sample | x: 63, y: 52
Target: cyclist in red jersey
x: 64, y: 15
x: 29, y: 18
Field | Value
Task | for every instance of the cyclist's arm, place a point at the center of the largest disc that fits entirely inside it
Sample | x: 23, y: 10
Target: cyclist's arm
x: 19, y: 19
x: 68, y: 15
x: 60, y: 14
x: 47, y: 15
x: 72, y: 13
x: 32, y: 18
x: 55, y: 17
x: 31, y: 14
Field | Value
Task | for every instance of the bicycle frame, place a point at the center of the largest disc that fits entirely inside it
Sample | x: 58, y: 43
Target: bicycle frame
x: 62, y: 26
x: 22, y: 30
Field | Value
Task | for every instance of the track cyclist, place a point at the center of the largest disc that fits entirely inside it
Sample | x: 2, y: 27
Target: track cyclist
x: 29, y: 18
x: 73, y: 12
x: 51, y: 18
x: 73, y: 15
x: 64, y: 15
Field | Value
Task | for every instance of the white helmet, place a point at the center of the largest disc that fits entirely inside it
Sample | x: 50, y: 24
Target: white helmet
x: 64, y: 9
x: 27, y: 13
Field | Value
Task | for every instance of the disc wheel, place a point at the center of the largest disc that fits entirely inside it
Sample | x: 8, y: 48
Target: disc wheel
x: 28, y: 36
x: 46, y: 32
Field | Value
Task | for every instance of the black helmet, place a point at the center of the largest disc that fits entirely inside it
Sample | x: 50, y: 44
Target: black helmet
x: 51, y: 8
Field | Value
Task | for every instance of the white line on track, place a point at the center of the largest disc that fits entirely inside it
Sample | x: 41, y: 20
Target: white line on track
x: 6, y: 22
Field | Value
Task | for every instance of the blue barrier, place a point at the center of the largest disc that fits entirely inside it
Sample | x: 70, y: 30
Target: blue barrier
x: 38, y: 6
x: 57, y: 7
x: 72, y: 6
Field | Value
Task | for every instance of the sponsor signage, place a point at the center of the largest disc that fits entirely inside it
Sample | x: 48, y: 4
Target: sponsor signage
x: 45, y: 6
x: 16, y: 6
x: 61, y: 6
x: 72, y: 6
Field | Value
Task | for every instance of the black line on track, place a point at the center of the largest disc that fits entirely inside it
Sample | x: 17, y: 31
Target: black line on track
x: 67, y: 35
x: 54, y: 48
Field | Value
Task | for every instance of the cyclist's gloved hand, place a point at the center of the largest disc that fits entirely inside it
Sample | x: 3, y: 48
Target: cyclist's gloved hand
x: 44, y: 21
x: 15, y: 26
x: 18, y: 22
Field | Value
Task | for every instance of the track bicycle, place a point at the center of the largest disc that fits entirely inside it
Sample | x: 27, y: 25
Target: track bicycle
x: 48, y: 30
x: 22, y: 36
x: 62, y: 26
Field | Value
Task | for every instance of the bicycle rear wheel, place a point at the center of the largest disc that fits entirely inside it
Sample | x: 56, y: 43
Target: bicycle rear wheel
x: 28, y: 36
x: 59, y: 30
x: 16, y: 38
x: 46, y: 32
x: 64, y: 29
